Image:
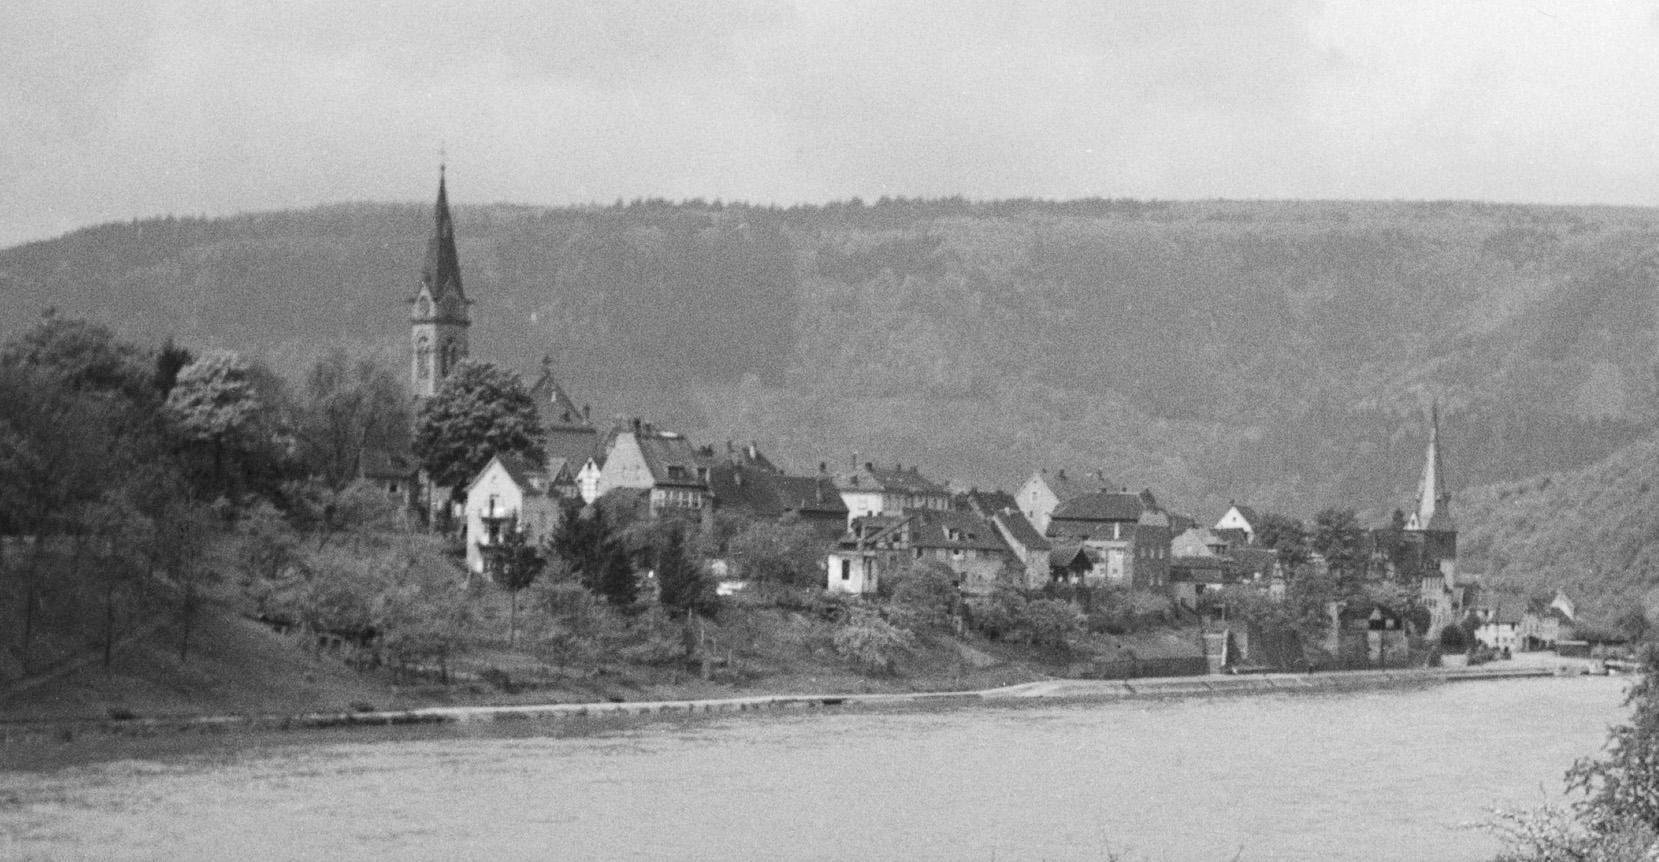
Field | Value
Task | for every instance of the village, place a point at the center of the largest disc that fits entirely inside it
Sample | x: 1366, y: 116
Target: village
x: 1064, y: 530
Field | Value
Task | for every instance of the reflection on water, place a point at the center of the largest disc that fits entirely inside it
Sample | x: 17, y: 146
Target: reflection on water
x: 1264, y: 777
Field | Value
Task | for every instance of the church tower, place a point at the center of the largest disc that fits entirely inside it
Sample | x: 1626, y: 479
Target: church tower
x: 1431, y: 524
x: 438, y: 317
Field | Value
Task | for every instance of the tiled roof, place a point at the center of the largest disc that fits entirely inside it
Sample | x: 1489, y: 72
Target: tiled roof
x: 441, y: 272
x: 1256, y: 561
x: 555, y: 406
x: 1022, y: 530
x: 987, y: 503
x: 1100, y: 506
x: 574, y: 444
x: 896, y: 480
x: 672, y: 459
x: 954, y: 530
x: 1234, y: 536
x: 1248, y: 513
x: 1065, y: 556
x: 772, y: 495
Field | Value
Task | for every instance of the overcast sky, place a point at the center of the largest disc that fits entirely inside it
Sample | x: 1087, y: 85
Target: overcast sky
x: 110, y: 110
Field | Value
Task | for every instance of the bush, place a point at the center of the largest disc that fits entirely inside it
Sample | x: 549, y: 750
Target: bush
x: 1454, y: 640
x: 925, y: 596
x: 1051, y: 623
x: 996, y: 616
x: 870, y: 643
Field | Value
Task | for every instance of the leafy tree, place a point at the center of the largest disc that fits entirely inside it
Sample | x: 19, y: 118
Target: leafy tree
x: 1622, y: 787
x: 997, y: 615
x: 1338, y: 538
x: 1286, y: 535
x: 1051, y: 623
x: 349, y: 407
x: 84, y: 356
x: 768, y: 552
x: 232, y: 407
x: 924, y: 595
x: 481, y: 410
x: 870, y: 642
x: 516, y: 564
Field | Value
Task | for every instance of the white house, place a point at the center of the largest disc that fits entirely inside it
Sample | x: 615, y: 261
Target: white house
x: 511, y: 493
x: 1044, y: 491
x: 852, y: 570
x: 1242, y: 518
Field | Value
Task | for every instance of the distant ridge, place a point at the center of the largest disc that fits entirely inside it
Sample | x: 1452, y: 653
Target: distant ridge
x: 1276, y: 351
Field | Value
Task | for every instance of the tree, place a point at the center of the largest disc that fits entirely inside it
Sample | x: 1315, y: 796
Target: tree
x: 1051, y: 623
x: 870, y: 642
x: 585, y: 543
x: 233, y: 408
x: 84, y: 356
x: 349, y: 407
x: 1338, y: 538
x: 767, y: 552
x: 481, y: 410
x: 685, y: 590
x: 1287, y: 536
x: 514, y: 566
x: 1622, y: 787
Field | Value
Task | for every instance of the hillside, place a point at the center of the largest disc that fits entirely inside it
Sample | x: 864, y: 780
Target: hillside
x: 1279, y: 353
x: 1593, y: 531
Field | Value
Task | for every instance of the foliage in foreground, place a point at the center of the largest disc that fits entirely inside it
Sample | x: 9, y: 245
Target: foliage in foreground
x: 1618, y: 818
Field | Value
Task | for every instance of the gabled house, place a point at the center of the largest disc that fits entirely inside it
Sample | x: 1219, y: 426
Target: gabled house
x: 663, y: 462
x: 1241, y: 518
x: 872, y: 490
x: 878, y: 545
x: 1501, y: 616
x: 1030, y: 548
x: 396, y: 475
x: 1544, y: 627
x: 1044, y: 492
x: 1126, y: 534
x: 985, y: 504
x: 511, y: 493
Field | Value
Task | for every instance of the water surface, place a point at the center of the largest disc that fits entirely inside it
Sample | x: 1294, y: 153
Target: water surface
x: 1362, y: 776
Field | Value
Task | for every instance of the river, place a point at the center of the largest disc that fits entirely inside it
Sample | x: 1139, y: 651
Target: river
x: 1396, y: 774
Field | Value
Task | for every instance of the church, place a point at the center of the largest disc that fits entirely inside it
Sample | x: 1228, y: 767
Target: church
x: 438, y: 322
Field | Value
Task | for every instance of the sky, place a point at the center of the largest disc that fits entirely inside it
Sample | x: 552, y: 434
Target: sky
x: 116, y: 110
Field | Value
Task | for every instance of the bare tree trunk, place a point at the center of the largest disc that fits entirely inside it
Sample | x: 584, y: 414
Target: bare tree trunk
x: 512, y: 619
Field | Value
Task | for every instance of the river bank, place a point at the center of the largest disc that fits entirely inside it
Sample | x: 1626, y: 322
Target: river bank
x: 18, y: 735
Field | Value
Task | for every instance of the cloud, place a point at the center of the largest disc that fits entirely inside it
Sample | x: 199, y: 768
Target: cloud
x: 117, y: 110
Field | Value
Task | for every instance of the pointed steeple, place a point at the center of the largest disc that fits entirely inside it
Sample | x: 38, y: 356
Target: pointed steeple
x: 441, y: 273
x: 1434, y: 511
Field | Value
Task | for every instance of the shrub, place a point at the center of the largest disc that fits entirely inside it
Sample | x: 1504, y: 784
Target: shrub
x: 1454, y: 640
x: 925, y: 596
x: 996, y: 616
x: 870, y: 643
x: 1051, y: 623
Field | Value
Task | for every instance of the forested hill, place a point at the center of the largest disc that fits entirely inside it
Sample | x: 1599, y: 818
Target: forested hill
x: 1277, y: 353
x: 1593, y: 531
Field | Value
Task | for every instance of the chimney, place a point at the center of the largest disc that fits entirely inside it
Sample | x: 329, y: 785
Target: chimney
x: 636, y: 424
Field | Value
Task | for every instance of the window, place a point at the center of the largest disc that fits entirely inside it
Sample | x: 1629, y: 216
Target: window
x: 423, y: 358
x: 846, y: 570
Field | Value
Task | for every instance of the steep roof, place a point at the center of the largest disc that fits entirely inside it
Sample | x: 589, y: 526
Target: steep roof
x: 1434, y: 500
x: 987, y: 503
x: 672, y: 459
x: 1248, y: 513
x: 772, y: 495
x: 575, y: 445
x: 530, y: 477
x: 1021, y: 529
x: 441, y: 273
x: 555, y: 406
x: 895, y: 480
x: 1100, y: 506
x: 954, y: 531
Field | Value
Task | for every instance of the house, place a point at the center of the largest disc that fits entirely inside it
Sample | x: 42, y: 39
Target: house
x: 1448, y: 602
x: 985, y: 504
x: 1500, y: 616
x: 662, y: 462
x: 878, y: 545
x: 1044, y: 491
x: 872, y: 490
x: 1544, y: 627
x: 511, y: 493
x: 1127, y: 534
x: 760, y: 492
x: 1241, y: 518
x: 1028, y: 546
x: 396, y: 475
x: 1366, y: 635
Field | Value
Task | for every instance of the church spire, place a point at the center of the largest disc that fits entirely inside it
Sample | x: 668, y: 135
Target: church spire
x: 1434, y: 510
x: 442, y: 272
